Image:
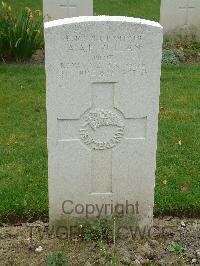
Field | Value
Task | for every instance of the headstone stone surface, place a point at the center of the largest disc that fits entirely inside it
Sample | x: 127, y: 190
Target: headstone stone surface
x: 59, y: 9
x: 103, y: 83
x: 179, y: 14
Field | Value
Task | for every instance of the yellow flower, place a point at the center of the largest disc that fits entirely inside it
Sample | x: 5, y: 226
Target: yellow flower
x: 38, y: 31
x: 38, y: 12
x: 29, y: 13
x: 28, y: 10
x: 30, y: 16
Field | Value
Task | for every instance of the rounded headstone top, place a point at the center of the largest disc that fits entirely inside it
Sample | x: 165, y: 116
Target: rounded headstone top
x: 122, y: 19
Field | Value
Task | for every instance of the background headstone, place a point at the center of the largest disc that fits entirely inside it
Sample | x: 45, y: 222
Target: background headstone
x: 176, y: 14
x: 103, y: 84
x: 59, y: 9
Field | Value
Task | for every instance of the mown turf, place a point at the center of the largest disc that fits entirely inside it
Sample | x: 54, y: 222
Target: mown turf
x: 178, y: 160
x: 23, y: 151
x: 131, y: 8
x: 149, y: 9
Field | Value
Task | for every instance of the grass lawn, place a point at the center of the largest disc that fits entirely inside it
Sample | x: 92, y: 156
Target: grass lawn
x: 178, y: 154
x: 149, y: 9
x: 23, y: 152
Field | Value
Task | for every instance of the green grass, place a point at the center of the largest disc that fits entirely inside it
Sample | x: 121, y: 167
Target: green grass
x: 19, y: 4
x: 149, y: 9
x: 131, y: 8
x: 23, y: 151
x: 179, y: 120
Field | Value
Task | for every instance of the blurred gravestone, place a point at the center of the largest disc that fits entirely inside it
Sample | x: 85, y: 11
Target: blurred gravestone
x: 59, y: 9
x: 180, y: 14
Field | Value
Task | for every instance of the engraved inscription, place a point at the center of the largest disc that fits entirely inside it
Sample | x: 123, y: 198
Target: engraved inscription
x: 103, y: 53
x: 96, y: 43
x: 97, y: 67
x: 102, y: 43
x: 110, y: 126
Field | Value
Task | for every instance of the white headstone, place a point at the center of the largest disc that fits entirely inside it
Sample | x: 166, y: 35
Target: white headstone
x: 103, y: 84
x: 176, y: 14
x: 59, y: 9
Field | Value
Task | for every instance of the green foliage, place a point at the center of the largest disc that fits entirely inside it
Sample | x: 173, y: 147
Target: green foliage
x: 185, y: 43
x: 114, y: 259
x: 20, y: 35
x: 111, y: 256
x: 96, y: 229
x: 102, y: 248
x: 176, y: 247
x: 172, y: 57
x: 20, y: 4
x: 57, y: 259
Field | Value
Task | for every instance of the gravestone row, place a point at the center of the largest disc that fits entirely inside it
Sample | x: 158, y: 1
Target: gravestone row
x: 174, y: 15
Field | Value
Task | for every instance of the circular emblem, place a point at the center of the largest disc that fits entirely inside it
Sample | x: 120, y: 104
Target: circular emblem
x: 102, y: 129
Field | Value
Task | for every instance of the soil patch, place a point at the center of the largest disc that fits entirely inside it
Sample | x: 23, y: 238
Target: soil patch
x: 172, y: 241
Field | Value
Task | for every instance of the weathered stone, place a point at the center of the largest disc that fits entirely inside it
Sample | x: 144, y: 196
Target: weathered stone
x: 103, y: 83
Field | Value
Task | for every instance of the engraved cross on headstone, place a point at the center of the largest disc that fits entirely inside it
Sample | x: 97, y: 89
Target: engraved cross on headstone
x: 70, y: 9
x: 107, y: 129
x: 186, y: 9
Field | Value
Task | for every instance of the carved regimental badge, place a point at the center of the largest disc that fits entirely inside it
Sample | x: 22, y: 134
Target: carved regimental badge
x: 102, y: 129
